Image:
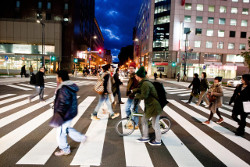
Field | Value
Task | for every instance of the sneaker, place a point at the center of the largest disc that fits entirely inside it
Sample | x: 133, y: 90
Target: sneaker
x: 115, y: 115
x: 94, y: 117
x: 61, y: 153
x: 84, y: 139
x: 206, y: 122
x: 136, y: 127
x: 154, y: 143
x: 141, y: 140
x: 220, y: 121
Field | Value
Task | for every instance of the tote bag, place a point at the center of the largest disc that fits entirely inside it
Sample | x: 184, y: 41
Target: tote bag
x: 246, y: 106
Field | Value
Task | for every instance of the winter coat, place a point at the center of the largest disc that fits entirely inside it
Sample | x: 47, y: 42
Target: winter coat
x: 147, y: 92
x: 132, y: 84
x: 107, y: 83
x: 238, y: 97
x: 204, y: 85
x: 196, y: 87
x: 66, y: 101
x: 117, y: 80
x: 218, y: 92
x: 39, y: 79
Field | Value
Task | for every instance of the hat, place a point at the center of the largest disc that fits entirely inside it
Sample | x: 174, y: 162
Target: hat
x: 141, y: 72
x: 132, y: 65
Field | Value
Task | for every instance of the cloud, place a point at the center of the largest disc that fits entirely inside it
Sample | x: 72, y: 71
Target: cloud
x: 112, y: 13
x: 109, y: 33
x: 115, y: 52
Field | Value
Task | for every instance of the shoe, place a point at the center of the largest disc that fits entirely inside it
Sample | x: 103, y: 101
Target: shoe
x: 136, y: 127
x: 121, y: 102
x: 42, y: 100
x: 154, y: 143
x: 206, y: 122
x: 94, y: 117
x: 141, y: 140
x: 61, y: 153
x: 115, y: 115
x: 84, y: 139
x: 238, y: 133
x: 220, y: 121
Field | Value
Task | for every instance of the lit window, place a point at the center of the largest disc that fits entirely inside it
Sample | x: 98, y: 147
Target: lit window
x: 66, y: 6
x: 223, y: 9
x: 162, y: 20
x: 211, y: 8
x: 198, y: 19
x: 40, y: 5
x: 234, y: 0
x: 222, y: 21
x: 160, y: 9
x: 210, y: 20
x: 198, y: 31
x: 234, y: 10
x: 235, y: 58
x: 245, y: 1
x: 209, y: 44
x: 188, y: 6
x: 230, y: 45
x: 244, y: 23
x: 18, y: 4
x: 210, y: 32
x: 242, y: 46
x: 221, y: 33
x: 199, y: 7
x: 245, y: 11
x: 49, y: 5
x: 187, y: 18
x: 233, y: 22
x: 220, y: 45
x: 197, y: 44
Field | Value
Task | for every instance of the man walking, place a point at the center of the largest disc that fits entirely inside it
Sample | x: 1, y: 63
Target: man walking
x: 148, y: 93
x: 31, y: 70
x: 23, y: 71
x: 116, y: 86
x: 39, y: 85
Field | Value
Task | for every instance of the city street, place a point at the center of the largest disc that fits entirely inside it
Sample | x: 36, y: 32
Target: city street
x: 26, y: 139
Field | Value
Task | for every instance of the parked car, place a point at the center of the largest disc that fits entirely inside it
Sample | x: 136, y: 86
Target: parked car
x: 236, y: 81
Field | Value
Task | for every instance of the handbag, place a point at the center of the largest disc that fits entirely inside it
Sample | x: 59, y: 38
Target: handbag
x: 246, y: 106
x: 99, y: 88
x: 211, y: 98
x: 56, y: 120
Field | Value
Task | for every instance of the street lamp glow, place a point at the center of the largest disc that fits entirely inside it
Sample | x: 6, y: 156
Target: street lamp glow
x: 95, y: 37
x: 136, y: 39
x: 100, y: 59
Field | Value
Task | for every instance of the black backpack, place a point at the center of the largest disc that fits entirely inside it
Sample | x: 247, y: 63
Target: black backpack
x: 33, y: 79
x: 162, y: 94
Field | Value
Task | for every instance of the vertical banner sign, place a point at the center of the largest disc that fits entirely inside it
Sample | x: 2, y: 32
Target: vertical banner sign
x: 182, y: 2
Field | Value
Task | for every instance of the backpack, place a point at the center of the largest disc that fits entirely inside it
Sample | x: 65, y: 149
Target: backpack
x: 162, y: 94
x: 33, y: 79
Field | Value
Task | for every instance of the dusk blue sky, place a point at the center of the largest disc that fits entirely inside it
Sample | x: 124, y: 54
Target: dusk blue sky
x: 116, y: 19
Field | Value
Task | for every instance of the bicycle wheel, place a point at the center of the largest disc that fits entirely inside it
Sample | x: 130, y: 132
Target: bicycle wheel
x: 165, y: 124
x: 125, y: 127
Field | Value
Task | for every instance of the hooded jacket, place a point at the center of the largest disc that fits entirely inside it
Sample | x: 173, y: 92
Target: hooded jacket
x: 66, y: 101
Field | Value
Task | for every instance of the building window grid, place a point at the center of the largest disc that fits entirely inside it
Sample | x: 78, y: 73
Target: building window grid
x: 223, y: 9
x: 40, y: 5
x: 242, y: 46
x: 245, y: 11
x: 243, y: 34
x: 231, y: 45
x: 244, y: 23
x: 233, y: 22
x: 49, y: 5
x: 221, y: 33
x: 234, y: 10
x: 199, y: 19
x: 210, y: 32
x: 188, y: 6
x: 197, y: 44
x: 222, y: 21
x: 245, y: 1
x: 187, y: 18
x: 198, y: 31
x: 209, y: 44
x: 211, y: 8
x: 199, y: 7
x: 210, y: 20
x: 220, y: 45
x: 232, y: 34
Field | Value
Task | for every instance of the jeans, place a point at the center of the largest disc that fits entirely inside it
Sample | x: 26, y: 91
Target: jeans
x: 63, y: 131
x: 39, y: 91
x: 102, y: 99
x: 118, y: 92
x: 130, y: 106
x: 156, y: 127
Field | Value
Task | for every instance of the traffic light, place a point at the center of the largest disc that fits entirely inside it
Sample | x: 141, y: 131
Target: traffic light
x: 53, y: 58
x: 153, y: 64
x: 100, y: 51
x: 75, y: 60
x: 173, y: 64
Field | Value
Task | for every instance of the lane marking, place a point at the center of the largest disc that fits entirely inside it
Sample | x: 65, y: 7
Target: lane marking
x: 19, y: 87
x: 187, y: 94
x: 7, y: 95
x: 13, y: 99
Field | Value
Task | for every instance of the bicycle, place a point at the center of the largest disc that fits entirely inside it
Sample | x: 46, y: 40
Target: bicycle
x: 126, y: 126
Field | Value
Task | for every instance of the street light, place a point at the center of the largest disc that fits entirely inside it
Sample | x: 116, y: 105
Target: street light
x: 94, y: 37
x: 185, y: 60
x: 43, y: 26
x: 137, y: 40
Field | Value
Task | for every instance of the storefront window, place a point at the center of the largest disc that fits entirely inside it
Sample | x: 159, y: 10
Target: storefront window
x: 212, y: 57
x: 235, y: 58
x: 193, y: 56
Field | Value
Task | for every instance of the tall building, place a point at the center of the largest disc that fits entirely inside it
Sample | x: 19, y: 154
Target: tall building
x: 205, y: 35
x: 65, y: 28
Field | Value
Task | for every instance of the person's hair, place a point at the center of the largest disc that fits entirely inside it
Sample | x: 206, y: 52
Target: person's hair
x: 117, y: 70
x: 106, y: 67
x: 196, y: 75
x: 204, y: 74
x: 246, y: 78
x: 41, y: 68
x: 63, y: 74
x: 218, y: 78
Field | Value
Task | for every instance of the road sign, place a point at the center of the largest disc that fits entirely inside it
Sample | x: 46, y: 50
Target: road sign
x: 89, y: 49
x: 6, y: 58
x: 204, y: 67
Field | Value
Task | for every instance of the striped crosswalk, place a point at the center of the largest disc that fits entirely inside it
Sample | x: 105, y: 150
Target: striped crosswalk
x: 92, y: 153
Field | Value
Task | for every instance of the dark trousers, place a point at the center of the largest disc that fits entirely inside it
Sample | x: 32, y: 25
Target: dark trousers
x: 211, y: 114
x: 241, y: 121
x: 118, y: 92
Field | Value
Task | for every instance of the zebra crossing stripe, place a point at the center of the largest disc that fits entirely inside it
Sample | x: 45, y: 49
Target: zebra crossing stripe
x: 48, y: 86
x: 177, y: 92
x: 223, y: 154
x: 15, y: 105
x: 9, y: 119
x: 228, y: 107
x: 180, y: 153
x: 19, y: 87
x: 13, y: 99
x: 43, y: 150
x: 7, y: 95
x: 186, y: 94
x: 133, y: 149
x: 245, y: 144
x: 27, y: 85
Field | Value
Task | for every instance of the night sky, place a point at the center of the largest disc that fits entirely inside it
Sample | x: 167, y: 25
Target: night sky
x: 116, y: 19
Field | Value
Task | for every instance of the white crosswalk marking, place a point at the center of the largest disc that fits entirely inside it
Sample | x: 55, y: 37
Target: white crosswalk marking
x: 222, y: 153
x: 133, y: 149
x: 27, y: 85
x: 13, y: 99
x: 177, y: 92
x: 7, y: 95
x: 42, y: 151
x: 19, y: 87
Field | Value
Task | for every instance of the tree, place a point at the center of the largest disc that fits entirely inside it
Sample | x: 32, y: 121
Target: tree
x: 246, y: 54
x: 125, y: 54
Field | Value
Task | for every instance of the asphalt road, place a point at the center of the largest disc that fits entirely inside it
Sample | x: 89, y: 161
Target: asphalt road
x: 27, y: 140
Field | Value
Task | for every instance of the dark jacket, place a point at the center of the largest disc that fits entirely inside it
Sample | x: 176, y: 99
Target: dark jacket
x: 132, y: 84
x: 196, y: 86
x: 105, y: 83
x: 66, y: 101
x: 204, y: 85
x: 39, y: 79
x: 239, y: 97
x: 148, y: 93
x: 117, y: 80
